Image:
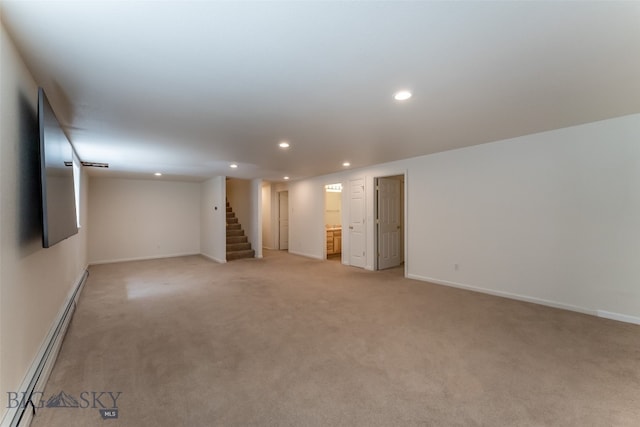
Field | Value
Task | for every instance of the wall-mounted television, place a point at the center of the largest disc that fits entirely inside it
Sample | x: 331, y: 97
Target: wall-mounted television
x: 59, y: 219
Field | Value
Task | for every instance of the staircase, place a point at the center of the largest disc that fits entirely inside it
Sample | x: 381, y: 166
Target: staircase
x: 238, y: 245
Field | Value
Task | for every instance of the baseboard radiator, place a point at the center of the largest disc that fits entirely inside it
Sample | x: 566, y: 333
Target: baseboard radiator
x: 38, y: 374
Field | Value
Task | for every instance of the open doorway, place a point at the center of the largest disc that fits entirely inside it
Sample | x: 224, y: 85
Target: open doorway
x: 390, y: 227
x: 283, y: 220
x: 333, y: 221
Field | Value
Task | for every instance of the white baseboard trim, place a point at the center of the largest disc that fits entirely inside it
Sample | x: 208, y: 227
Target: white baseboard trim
x: 599, y: 313
x: 619, y: 317
x: 42, y: 364
x: 218, y: 260
x: 305, y: 254
x: 144, y: 258
x: 503, y: 294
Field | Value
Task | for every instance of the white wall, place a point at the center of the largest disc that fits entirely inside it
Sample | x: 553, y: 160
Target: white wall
x: 140, y: 219
x: 256, y: 217
x: 213, y: 219
x: 552, y: 217
x: 267, y: 230
x: 307, y: 233
x: 34, y: 282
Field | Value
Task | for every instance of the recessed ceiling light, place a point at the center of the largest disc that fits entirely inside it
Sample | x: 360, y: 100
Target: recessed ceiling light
x: 402, y: 95
x: 233, y: 166
x: 157, y: 174
x: 346, y: 164
x: 283, y: 144
x: 286, y: 178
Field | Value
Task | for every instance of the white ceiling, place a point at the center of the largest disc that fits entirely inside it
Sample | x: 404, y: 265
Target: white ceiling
x: 185, y: 88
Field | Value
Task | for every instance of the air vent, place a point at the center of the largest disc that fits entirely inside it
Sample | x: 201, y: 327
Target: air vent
x: 95, y: 164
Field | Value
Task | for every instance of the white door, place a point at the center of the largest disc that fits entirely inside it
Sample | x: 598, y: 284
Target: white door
x: 283, y: 219
x: 357, y: 252
x: 389, y: 223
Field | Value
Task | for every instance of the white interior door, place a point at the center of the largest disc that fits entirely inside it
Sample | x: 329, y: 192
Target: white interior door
x: 389, y: 223
x: 357, y: 248
x: 283, y: 220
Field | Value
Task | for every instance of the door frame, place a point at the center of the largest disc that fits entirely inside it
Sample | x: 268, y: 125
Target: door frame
x: 404, y: 206
x: 324, y: 211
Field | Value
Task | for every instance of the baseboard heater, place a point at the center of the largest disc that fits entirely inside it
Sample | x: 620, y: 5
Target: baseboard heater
x: 37, y: 376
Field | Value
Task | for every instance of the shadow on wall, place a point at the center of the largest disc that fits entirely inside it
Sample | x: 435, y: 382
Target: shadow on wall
x: 28, y: 181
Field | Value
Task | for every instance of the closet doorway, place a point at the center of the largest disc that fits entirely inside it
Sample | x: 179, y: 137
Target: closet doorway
x: 283, y: 220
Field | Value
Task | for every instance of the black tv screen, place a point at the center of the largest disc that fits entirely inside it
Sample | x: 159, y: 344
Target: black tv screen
x: 56, y: 170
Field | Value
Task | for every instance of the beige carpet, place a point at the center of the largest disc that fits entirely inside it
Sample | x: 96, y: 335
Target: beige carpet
x: 289, y: 341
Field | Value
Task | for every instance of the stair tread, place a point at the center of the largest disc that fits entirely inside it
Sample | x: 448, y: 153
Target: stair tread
x: 238, y: 246
x: 247, y: 253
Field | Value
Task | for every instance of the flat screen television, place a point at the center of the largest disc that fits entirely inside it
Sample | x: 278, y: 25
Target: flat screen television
x: 59, y: 219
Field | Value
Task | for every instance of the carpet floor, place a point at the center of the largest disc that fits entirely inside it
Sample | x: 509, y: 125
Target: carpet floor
x: 291, y: 341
